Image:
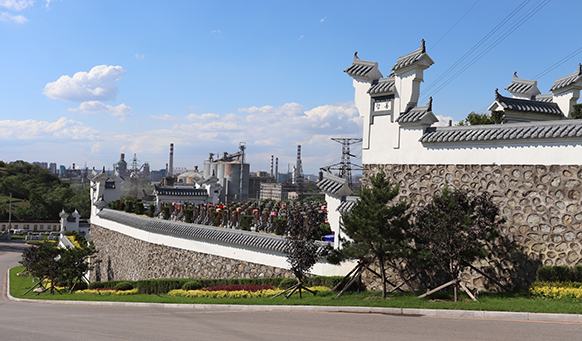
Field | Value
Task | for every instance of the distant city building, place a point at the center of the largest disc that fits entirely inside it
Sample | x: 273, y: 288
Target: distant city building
x: 53, y: 168
x: 232, y: 174
x: 276, y: 191
x: 121, y: 166
x: 157, y: 175
x: 42, y: 165
x: 255, y: 182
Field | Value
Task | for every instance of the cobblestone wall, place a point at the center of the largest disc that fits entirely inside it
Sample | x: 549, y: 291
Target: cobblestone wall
x: 541, y: 205
x: 126, y: 258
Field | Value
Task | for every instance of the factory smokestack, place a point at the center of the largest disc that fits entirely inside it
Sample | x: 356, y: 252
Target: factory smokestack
x: 171, y: 165
x: 271, y: 165
x: 277, y: 170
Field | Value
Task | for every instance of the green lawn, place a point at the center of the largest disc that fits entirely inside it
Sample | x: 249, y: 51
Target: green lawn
x: 520, y: 302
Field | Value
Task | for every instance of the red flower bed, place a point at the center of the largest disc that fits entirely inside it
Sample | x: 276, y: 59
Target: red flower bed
x: 237, y: 287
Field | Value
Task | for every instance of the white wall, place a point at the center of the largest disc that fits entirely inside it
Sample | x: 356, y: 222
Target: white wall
x: 260, y: 256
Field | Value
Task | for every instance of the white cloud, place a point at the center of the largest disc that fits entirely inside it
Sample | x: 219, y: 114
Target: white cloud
x: 165, y: 117
x: 139, y: 56
x: 301, y: 36
x: 93, y: 107
x: 322, y: 20
x: 444, y: 121
x: 202, y: 117
x: 97, y: 84
x: 62, y: 129
x: 7, y: 17
x: 217, y: 31
x: 16, y: 5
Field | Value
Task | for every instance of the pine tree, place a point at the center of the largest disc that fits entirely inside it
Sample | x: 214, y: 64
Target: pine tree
x: 377, y: 229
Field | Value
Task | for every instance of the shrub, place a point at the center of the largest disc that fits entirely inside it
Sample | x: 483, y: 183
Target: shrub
x: 287, y: 283
x: 188, y: 214
x: 325, y: 281
x: 560, y: 273
x: 280, y: 226
x: 166, y: 212
x: 139, y: 208
x: 108, y: 284
x: 151, y: 210
x: 124, y: 286
x: 129, y: 206
x: 577, y: 273
x: 192, y: 285
x: 246, y: 221
x: 160, y: 286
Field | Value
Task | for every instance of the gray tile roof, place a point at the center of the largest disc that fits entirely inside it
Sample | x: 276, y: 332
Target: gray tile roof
x: 522, y: 86
x: 544, y: 98
x: 508, y: 131
x: 383, y: 85
x: 567, y: 80
x: 360, y: 67
x: 525, y: 105
x: 348, y: 204
x: 180, y: 192
x: 333, y: 184
x: 201, y: 232
x: 417, y: 114
x: 410, y: 58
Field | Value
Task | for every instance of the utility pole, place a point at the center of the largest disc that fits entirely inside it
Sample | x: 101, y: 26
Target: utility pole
x: 10, y: 214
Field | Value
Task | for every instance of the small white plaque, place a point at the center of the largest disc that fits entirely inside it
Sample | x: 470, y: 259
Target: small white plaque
x: 380, y: 106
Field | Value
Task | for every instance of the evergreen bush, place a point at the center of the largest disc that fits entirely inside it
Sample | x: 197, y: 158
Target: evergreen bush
x: 193, y: 285
x: 246, y: 221
x: 124, y: 286
x: 287, y: 283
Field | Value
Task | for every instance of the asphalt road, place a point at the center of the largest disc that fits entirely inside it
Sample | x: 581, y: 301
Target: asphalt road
x: 33, y: 321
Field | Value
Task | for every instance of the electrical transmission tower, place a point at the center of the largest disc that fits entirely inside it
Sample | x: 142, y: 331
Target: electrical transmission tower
x: 345, y: 166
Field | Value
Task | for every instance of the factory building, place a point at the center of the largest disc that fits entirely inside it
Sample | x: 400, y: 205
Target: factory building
x: 232, y: 173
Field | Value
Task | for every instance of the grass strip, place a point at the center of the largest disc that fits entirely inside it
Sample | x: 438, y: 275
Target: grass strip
x: 517, y: 302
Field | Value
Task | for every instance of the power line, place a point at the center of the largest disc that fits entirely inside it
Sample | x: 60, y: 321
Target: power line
x: 477, y: 45
x: 558, y: 63
x: 492, y: 45
x: 461, y: 18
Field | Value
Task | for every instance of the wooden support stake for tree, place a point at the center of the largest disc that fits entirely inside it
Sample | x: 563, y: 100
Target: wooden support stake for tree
x: 467, y: 291
x: 34, y: 286
x: 345, y: 277
x: 489, y: 277
x: 359, y: 272
x: 437, y: 289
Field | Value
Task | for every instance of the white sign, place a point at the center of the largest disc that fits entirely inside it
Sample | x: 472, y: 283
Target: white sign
x: 380, y: 106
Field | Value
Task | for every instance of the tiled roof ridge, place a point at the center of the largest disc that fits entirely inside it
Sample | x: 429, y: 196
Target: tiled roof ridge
x: 410, y: 58
x: 507, y: 131
x: 360, y: 67
x: 568, y: 79
x: 416, y: 114
x: 201, y: 232
x: 382, y: 85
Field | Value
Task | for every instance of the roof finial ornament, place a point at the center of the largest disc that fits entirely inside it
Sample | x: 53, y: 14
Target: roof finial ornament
x: 579, y: 69
x: 515, y: 74
x: 497, y: 93
x: 423, y: 46
x: 356, y: 56
x: 430, y: 104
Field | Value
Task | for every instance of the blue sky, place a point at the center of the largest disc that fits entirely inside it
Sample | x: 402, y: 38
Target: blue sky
x: 83, y: 81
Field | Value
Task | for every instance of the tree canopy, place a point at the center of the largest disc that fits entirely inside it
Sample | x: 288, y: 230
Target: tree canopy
x: 454, y: 229
x: 475, y: 119
x: 44, y: 196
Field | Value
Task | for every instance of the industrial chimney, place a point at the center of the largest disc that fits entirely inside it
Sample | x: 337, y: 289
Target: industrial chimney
x: 171, y: 164
x: 276, y: 169
x: 271, y: 165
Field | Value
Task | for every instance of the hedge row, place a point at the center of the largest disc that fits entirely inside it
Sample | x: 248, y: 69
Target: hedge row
x: 163, y: 286
x: 559, y: 273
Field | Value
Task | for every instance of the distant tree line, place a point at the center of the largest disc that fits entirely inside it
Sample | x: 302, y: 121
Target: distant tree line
x: 38, y: 195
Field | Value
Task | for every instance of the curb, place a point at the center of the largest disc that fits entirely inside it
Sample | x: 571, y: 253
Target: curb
x: 473, y: 314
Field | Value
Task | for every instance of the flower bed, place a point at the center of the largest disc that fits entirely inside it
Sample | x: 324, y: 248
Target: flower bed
x: 240, y: 287
x: 556, y: 290
x: 234, y: 294
x: 105, y: 291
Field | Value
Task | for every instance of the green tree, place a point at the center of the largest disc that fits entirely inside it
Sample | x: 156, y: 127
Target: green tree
x: 576, y: 112
x: 377, y: 229
x: 455, y: 228
x: 475, y: 119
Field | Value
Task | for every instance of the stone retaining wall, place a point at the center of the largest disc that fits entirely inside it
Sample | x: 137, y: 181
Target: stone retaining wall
x: 541, y: 205
x: 126, y: 258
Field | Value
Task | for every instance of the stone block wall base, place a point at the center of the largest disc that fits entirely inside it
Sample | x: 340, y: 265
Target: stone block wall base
x: 126, y: 258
